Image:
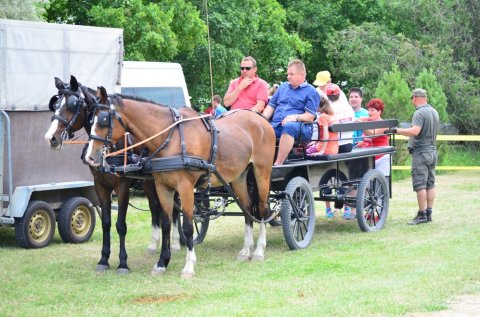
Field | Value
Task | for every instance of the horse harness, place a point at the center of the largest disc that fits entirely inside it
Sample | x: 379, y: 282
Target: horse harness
x: 151, y: 163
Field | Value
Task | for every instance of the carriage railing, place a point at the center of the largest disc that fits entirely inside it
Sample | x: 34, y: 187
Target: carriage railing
x: 298, y: 151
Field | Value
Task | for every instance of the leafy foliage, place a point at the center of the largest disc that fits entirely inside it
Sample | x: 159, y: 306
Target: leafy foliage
x: 238, y: 29
x: 30, y: 10
x: 436, y: 97
x: 394, y: 91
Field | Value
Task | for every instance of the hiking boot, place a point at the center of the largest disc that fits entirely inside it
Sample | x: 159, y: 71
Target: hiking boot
x: 419, y: 219
x: 429, y: 215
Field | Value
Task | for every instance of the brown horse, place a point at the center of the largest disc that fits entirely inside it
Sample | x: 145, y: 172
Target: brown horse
x: 72, y: 107
x: 245, y: 140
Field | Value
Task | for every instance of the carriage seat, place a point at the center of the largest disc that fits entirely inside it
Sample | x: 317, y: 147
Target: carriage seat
x: 357, y: 152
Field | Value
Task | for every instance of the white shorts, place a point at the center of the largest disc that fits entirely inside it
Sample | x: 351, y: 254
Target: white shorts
x: 383, y: 165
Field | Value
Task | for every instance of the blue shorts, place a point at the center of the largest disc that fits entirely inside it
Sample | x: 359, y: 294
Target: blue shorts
x: 296, y: 130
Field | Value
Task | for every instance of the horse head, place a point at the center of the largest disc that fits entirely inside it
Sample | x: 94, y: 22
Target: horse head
x: 108, y: 127
x: 70, y: 107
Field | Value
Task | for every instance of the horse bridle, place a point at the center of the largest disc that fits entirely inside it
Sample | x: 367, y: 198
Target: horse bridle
x: 105, y: 120
x: 76, y: 106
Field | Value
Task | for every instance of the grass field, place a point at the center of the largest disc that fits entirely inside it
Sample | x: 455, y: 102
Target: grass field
x: 344, y: 272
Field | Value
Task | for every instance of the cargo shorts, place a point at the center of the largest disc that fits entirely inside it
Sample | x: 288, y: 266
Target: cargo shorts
x: 423, y: 169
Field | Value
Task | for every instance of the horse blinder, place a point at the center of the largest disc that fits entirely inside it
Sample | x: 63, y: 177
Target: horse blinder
x: 53, y: 102
x: 103, y: 119
x: 73, y: 103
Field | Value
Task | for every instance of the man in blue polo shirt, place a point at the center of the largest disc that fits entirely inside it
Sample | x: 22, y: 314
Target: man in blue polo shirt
x: 295, y: 102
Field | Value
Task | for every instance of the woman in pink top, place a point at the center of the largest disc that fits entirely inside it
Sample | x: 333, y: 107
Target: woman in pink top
x: 375, y: 109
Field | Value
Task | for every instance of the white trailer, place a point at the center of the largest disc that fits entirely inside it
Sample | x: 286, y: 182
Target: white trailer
x: 39, y: 186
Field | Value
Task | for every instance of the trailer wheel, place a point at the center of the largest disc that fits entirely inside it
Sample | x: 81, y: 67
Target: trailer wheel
x: 298, y: 220
x: 37, y: 226
x: 76, y: 220
x: 372, y: 201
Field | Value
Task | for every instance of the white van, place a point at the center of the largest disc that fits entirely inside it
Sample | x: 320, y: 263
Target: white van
x: 162, y: 83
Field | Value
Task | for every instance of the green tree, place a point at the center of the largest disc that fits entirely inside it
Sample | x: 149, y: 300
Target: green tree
x: 466, y: 115
x: 30, y: 10
x: 152, y: 32
x: 69, y: 11
x: 315, y: 21
x: 361, y: 54
x: 436, y: 97
x: 394, y: 92
x: 239, y: 28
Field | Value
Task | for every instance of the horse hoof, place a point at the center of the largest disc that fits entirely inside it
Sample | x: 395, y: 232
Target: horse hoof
x: 187, y: 275
x: 151, y: 251
x: 176, y: 247
x: 243, y: 258
x: 101, y: 268
x: 158, y: 270
x: 257, y: 257
x: 122, y: 271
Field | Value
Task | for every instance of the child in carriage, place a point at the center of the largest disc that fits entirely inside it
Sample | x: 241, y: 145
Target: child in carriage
x: 327, y: 141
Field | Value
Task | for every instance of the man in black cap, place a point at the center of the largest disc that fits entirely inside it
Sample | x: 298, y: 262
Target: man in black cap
x: 421, y: 144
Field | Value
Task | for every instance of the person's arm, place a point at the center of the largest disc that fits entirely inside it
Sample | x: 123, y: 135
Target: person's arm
x: 232, y: 94
x: 412, y: 131
x: 268, y: 112
x: 259, y: 107
x: 304, y: 117
x: 322, y: 149
x: 375, y: 131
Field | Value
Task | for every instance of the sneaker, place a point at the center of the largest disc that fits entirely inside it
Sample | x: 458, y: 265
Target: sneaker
x: 347, y: 214
x: 419, y: 219
x: 429, y: 215
x: 329, y: 213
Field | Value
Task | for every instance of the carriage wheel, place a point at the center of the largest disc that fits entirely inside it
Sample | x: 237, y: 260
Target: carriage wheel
x: 372, y: 201
x: 37, y: 226
x: 200, y: 223
x: 298, y: 220
x: 76, y: 220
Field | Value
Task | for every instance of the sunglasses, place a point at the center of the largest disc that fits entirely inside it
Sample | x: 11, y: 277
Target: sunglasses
x: 246, y: 68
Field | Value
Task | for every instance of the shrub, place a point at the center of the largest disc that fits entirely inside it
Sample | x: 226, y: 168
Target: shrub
x: 394, y: 92
x: 436, y: 97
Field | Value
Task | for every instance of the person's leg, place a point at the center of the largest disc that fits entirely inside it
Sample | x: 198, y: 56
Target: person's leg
x: 284, y: 147
x: 430, y: 197
x: 419, y: 182
x: 431, y: 185
x: 290, y: 131
x: 422, y: 199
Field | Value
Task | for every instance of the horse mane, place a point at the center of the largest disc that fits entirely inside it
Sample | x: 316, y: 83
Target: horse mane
x: 140, y: 99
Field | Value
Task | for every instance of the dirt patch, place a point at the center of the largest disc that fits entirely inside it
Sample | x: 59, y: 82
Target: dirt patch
x: 461, y: 306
